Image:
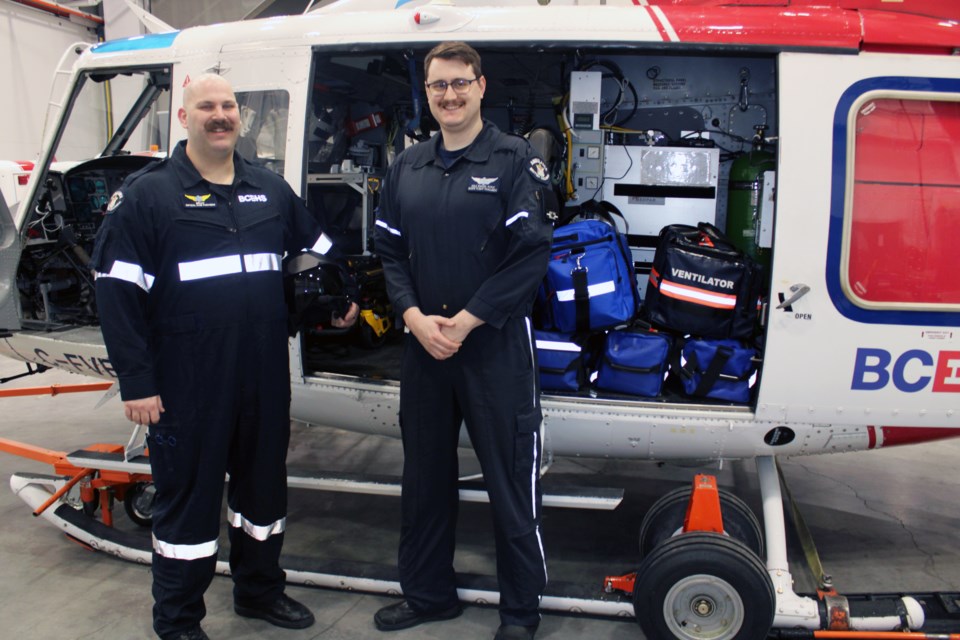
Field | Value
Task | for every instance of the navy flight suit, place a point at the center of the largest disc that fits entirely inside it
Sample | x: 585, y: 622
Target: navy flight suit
x: 191, y: 303
x: 471, y: 236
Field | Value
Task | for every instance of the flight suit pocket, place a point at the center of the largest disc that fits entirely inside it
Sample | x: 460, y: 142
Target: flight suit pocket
x: 182, y: 391
x: 163, y: 441
x: 248, y: 218
x: 527, y: 444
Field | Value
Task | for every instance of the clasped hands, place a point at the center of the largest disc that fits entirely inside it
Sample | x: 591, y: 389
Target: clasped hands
x: 440, y: 336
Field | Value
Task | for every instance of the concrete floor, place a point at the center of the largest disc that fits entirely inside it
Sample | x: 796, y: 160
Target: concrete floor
x: 883, y: 521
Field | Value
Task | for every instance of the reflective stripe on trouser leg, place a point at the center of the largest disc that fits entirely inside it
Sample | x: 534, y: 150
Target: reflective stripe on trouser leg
x: 188, y: 479
x: 257, y: 493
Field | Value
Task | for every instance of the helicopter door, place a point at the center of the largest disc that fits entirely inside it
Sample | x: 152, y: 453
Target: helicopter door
x: 271, y: 88
x: 864, y: 319
x: 9, y: 257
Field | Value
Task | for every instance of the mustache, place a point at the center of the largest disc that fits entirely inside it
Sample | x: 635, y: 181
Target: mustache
x: 226, y: 125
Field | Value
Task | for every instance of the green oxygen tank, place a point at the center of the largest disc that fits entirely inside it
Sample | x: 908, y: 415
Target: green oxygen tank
x: 745, y: 195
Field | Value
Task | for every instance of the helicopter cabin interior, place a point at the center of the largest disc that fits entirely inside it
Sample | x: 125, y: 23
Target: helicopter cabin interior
x: 665, y: 138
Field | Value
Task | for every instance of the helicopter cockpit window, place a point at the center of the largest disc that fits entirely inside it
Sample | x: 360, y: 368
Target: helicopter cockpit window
x: 263, y: 127
x: 118, y: 113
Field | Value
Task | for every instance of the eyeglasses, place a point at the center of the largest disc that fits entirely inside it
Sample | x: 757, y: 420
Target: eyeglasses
x: 460, y: 86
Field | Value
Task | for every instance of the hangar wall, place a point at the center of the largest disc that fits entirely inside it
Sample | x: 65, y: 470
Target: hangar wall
x: 31, y: 44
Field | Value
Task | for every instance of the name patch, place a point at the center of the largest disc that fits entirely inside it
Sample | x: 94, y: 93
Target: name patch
x: 203, y: 201
x: 484, y: 185
x: 256, y: 197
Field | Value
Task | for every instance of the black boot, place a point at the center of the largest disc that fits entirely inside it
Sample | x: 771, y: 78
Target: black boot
x: 283, y: 612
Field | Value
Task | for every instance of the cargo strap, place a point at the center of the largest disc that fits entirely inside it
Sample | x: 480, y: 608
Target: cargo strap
x: 581, y: 296
x: 712, y: 373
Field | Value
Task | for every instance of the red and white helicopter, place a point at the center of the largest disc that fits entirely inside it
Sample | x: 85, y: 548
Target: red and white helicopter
x: 824, y: 132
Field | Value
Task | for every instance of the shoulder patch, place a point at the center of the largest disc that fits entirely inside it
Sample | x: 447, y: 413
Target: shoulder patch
x: 115, y: 201
x: 538, y: 168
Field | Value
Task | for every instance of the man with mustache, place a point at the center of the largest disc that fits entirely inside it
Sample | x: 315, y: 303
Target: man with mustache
x: 464, y: 238
x: 189, y: 288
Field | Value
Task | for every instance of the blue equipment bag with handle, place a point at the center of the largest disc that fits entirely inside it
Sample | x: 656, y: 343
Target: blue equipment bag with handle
x: 561, y: 361
x: 719, y: 369
x: 634, y: 362
x: 590, y: 283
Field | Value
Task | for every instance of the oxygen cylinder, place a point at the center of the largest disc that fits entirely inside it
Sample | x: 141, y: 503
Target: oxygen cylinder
x: 745, y: 195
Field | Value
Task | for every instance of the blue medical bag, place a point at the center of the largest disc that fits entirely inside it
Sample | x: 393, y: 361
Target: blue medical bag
x: 590, y: 282
x: 634, y: 362
x: 562, y: 362
x: 719, y: 369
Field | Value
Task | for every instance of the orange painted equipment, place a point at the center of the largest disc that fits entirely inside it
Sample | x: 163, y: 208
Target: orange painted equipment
x: 703, y: 514
x: 620, y: 583
x: 60, y: 10
x: 110, y: 483
x: 55, y: 389
x: 703, y: 510
x: 59, y: 493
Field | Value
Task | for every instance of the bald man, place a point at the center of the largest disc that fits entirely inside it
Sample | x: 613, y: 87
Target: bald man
x: 190, y: 294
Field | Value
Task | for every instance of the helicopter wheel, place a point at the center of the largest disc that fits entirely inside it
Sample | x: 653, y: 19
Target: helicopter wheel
x: 138, y: 503
x: 368, y: 338
x: 703, y: 586
x: 665, y: 519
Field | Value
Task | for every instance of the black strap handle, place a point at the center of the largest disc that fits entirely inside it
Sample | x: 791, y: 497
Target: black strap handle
x: 581, y: 297
x: 628, y: 369
x: 712, y: 374
x: 716, y: 236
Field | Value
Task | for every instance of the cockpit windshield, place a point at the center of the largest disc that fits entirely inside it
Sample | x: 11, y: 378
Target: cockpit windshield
x: 116, y: 113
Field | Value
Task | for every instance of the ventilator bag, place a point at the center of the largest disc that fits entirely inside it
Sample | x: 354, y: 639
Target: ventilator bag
x: 561, y: 360
x: 719, y: 369
x: 590, y: 282
x: 702, y: 285
x: 634, y: 362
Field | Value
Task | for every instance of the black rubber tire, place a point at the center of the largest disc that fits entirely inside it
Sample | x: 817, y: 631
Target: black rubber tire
x: 665, y: 517
x: 367, y: 337
x: 138, y: 503
x: 703, y: 586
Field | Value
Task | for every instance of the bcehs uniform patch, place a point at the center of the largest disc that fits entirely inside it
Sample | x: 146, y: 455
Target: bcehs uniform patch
x: 115, y: 201
x: 539, y: 170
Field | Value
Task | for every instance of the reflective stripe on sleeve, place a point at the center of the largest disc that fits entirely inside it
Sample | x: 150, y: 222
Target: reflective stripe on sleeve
x: 261, y: 262
x: 322, y: 245
x: 381, y: 223
x: 130, y: 273
x: 517, y: 216
x: 210, y: 268
x: 185, y: 551
x: 257, y: 532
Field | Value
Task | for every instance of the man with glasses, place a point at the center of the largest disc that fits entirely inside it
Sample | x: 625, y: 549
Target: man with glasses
x: 465, y: 242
